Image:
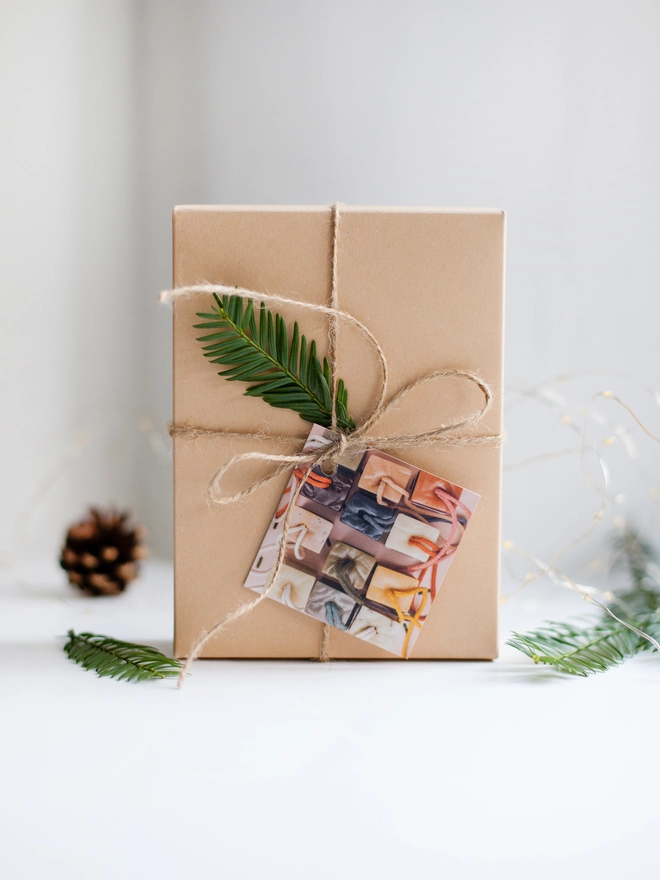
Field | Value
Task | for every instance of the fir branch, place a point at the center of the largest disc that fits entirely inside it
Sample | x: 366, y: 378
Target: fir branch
x: 578, y: 651
x: 608, y: 642
x: 110, y: 658
x: 285, y: 372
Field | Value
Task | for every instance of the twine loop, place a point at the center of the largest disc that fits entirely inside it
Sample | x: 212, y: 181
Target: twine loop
x: 344, y: 445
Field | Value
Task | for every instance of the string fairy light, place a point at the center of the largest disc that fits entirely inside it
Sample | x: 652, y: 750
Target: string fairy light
x: 584, y: 591
x: 617, y: 435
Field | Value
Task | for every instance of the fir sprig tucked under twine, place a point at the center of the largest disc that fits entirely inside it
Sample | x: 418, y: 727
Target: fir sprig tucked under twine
x: 287, y: 375
x: 632, y: 626
x: 110, y: 658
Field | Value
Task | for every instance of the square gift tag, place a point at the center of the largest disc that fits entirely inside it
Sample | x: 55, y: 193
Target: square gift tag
x: 366, y: 548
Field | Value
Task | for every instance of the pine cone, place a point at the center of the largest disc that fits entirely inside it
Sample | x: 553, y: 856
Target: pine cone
x: 101, y: 554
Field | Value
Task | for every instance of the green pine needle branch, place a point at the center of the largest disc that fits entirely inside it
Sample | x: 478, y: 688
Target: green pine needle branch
x: 110, y: 658
x: 607, y: 643
x: 285, y: 372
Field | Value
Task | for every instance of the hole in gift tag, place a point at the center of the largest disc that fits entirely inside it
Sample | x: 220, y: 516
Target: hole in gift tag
x: 329, y: 468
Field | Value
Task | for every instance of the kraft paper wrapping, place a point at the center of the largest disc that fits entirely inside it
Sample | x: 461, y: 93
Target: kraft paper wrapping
x: 429, y: 284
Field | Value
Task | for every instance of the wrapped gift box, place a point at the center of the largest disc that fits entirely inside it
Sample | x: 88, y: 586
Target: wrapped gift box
x: 429, y: 284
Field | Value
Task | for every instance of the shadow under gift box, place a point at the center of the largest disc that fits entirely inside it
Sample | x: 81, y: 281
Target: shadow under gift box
x: 449, y: 263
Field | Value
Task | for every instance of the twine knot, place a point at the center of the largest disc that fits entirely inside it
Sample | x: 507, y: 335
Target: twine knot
x: 330, y: 455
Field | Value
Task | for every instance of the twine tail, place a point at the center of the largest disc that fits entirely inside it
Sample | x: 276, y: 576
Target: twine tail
x: 247, y: 607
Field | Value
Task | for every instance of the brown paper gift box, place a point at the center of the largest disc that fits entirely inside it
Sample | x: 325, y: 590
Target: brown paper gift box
x: 429, y: 284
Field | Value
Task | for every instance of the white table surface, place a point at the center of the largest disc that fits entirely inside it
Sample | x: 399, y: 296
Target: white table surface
x: 309, y: 770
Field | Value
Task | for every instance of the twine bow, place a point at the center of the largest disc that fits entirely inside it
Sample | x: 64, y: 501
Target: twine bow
x: 327, y: 456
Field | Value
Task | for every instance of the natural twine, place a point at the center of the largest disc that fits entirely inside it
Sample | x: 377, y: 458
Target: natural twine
x: 452, y: 434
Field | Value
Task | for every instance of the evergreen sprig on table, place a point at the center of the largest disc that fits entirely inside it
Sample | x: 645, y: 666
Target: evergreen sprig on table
x: 607, y: 642
x: 285, y: 372
x: 110, y: 658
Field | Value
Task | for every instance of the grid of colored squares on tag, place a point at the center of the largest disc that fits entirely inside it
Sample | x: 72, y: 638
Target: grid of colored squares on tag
x: 367, y: 547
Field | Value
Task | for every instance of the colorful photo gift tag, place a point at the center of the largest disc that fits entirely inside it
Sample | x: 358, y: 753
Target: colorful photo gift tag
x: 367, y: 547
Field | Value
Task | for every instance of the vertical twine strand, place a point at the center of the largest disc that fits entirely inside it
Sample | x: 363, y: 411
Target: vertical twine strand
x: 333, y: 333
x: 333, y: 320
x: 324, y: 653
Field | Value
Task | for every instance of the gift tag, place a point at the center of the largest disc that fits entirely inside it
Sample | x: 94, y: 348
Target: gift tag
x: 367, y: 548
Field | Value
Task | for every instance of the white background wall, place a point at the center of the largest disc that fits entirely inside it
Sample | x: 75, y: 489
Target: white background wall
x: 112, y: 111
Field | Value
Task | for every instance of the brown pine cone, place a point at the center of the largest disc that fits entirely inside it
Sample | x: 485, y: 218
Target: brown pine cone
x: 101, y: 554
